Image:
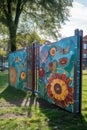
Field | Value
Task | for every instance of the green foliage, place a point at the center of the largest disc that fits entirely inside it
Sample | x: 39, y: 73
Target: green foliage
x: 45, y: 16
x: 24, y: 40
x: 4, y: 47
x: 3, y: 30
x: 2, y: 53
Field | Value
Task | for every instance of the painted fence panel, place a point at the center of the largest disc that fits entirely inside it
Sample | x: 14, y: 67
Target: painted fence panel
x: 18, y: 69
x: 53, y: 70
x: 59, y: 73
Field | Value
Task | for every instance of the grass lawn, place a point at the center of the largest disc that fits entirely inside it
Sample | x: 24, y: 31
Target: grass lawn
x: 21, y: 111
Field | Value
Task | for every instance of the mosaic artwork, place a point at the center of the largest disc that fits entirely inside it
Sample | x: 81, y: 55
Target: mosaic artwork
x: 18, y: 69
x: 52, y: 70
x: 57, y: 74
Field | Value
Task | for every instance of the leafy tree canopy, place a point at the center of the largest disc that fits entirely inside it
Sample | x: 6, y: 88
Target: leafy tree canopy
x: 46, y: 16
x: 24, y: 40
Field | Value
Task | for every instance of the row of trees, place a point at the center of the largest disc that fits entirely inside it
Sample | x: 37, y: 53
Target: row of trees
x: 27, y: 16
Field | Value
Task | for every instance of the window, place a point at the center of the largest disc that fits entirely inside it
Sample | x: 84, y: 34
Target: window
x: 85, y: 46
x: 84, y: 55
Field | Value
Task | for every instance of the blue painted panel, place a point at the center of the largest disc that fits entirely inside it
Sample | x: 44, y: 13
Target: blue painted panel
x: 18, y: 69
x: 57, y: 73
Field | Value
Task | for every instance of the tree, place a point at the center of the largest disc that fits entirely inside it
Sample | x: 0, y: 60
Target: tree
x: 47, y: 15
x: 24, y: 40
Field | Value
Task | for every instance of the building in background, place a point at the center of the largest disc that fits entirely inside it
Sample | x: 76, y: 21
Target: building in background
x: 84, y: 58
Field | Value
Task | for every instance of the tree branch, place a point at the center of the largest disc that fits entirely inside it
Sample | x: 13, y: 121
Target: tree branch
x: 9, y: 6
x: 18, y: 11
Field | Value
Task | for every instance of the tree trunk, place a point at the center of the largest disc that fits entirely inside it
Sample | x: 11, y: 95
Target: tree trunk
x: 12, y: 37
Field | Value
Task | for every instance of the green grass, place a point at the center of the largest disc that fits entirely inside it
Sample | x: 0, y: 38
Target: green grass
x: 3, y: 80
x: 14, y: 116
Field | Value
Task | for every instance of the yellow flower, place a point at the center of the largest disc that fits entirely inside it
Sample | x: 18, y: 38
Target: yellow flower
x: 58, y: 89
x: 12, y: 76
x: 23, y: 75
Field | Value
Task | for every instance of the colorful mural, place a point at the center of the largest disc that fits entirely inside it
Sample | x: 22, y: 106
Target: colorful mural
x: 58, y: 67
x: 52, y: 70
x: 18, y: 69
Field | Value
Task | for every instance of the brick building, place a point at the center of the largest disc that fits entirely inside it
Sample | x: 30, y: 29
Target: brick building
x: 84, y: 60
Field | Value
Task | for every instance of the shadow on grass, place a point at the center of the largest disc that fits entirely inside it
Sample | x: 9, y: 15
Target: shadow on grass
x: 62, y: 120
x: 13, y: 96
x: 56, y: 119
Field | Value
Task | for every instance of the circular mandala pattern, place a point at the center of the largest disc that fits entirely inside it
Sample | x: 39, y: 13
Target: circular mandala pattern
x: 53, y: 51
x: 12, y: 76
x: 23, y: 75
x: 58, y: 89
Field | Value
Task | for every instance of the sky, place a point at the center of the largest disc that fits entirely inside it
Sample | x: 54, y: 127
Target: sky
x: 77, y: 19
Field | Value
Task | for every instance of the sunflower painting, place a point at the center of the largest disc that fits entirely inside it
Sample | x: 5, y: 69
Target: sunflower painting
x: 23, y: 75
x: 12, y: 75
x: 59, y: 90
x: 18, y: 69
x: 57, y: 74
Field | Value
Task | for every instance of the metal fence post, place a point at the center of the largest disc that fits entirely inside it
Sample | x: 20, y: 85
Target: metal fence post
x: 81, y: 50
x: 33, y: 68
